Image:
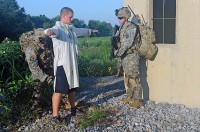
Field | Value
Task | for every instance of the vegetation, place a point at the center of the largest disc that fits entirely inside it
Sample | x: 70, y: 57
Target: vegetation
x: 93, y: 115
x: 14, y: 21
x: 94, y: 57
x: 16, y: 85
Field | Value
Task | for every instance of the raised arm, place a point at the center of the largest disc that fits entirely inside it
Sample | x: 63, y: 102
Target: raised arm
x: 52, y: 32
x: 82, y: 32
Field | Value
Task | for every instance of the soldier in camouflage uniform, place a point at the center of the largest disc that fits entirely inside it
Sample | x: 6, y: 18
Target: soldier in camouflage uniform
x: 130, y: 58
x: 38, y: 49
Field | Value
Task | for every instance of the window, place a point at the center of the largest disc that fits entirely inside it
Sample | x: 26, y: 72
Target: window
x: 164, y: 21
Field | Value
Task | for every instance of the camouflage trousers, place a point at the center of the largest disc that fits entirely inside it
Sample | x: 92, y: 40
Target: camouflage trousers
x: 37, y: 94
x: 119, y: 67
x: 132, y: 83
x: 119, y: 63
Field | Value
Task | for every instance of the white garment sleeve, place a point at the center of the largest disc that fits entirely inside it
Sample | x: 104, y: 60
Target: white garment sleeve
x: 82, y: 32
x: 55, y: 30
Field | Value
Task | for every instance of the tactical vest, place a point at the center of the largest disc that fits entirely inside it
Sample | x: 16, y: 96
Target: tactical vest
x: 122, y: 32
x: 144, y: 41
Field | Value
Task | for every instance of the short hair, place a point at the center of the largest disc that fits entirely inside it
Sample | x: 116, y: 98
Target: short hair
x: 65, y: 10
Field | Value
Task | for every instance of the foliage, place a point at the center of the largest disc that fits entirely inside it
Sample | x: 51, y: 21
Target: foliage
x: 14, y: 95
x: 14, y: 78
x: 94, y: 115
x: 79, y: 23
x: 13, y: 21
x: 94, y: 57
x: 16, y: 100
x: 12, y: 61
x: 16, y: 85
x: 105, y: 29
x: 41, y: 21
x: 53, y: 20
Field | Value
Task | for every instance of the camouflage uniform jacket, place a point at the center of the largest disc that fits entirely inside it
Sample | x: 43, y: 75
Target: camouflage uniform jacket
x: 32, y: 60
x: 130, y: 61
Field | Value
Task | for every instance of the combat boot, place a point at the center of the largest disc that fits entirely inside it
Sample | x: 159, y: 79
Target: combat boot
x: 127, y: 100
x: 129, y: 97
x: 136, y: 105
x: 68, y: 106
x: 137, y: 97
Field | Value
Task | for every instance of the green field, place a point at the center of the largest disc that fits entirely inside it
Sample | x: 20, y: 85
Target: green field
x: 94, y: 57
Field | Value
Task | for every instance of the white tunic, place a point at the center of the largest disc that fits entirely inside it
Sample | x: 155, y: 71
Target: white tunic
x: 66, y: 51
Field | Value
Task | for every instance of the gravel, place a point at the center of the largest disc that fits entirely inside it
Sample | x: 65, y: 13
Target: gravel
x: 107, y: 91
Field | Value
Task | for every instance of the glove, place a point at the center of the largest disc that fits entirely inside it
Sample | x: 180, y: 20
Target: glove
x: 50, y: 79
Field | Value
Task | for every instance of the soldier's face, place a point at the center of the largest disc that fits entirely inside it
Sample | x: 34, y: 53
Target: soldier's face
x: 68, y: 18
x: 121, y: 20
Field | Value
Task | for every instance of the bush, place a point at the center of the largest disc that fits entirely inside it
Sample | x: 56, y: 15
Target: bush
x: 12, y: 61
x: 16, y: 85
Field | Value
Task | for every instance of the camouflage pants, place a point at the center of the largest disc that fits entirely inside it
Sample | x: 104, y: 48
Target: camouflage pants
x: 119, y: 67
x: 131, y: 76
x: 37, y: 94
x: 119, y: 63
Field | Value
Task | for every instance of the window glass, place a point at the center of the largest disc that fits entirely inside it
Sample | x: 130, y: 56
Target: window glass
x: 158, y: 9
x: 169, y: 28
x: 164, y: 21
x: 170, y: 9
x: 158, y: 28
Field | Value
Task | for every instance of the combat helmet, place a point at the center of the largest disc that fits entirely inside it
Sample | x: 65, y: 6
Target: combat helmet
x: 32, y: 38
x: 123, y: 12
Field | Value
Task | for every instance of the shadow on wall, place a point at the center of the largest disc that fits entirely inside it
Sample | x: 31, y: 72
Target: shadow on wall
x: 143, y: 78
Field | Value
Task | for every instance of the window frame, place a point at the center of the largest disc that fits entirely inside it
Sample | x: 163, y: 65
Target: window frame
x: 163, y: 18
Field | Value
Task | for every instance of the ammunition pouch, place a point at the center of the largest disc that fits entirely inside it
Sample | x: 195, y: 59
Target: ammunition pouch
x: 131, y: 50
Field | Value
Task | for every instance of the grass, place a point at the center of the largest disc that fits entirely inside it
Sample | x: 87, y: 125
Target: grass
x: 94, y: 57
x: 93, y: 116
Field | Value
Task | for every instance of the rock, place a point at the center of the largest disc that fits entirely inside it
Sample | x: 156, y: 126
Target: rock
x: 106, y: 92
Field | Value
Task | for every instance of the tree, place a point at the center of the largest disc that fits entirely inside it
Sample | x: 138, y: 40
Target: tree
x: 13, y: 20
x: 41, y: 21
x: 53, y: 20
x: 105, y: 29
x: 78, y: 23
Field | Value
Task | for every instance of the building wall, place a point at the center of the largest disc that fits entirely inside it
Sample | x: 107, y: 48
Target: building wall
x: 174, y: 76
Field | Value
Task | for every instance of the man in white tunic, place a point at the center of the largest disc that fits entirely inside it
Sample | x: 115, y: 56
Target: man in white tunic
x: 64, y: 37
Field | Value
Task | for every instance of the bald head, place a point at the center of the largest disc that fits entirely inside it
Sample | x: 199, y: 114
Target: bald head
x: 65, y: 10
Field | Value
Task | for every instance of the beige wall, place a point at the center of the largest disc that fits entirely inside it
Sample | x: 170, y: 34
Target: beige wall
x: 174, y: 76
